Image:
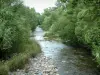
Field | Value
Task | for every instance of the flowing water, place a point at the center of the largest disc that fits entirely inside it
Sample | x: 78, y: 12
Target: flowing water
x: 69, y: 60
x: 61, y: 59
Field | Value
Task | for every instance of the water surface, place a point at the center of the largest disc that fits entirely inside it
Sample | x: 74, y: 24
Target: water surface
x: 69, y: 60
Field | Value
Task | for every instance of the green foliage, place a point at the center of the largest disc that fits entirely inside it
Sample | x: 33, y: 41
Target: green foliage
x: 92, y: 36
x: 18, y: 61
x: 22, y: 58
x: 47, y: 23
x: 77, y: 22
x: 49, y: 18
x: 4, y: 69
x: 16, y: 23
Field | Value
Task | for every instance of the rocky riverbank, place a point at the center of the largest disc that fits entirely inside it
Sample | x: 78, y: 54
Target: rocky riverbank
x: 41, y: 65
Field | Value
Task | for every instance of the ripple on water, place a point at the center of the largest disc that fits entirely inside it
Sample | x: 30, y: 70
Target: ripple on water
x: 59, y: 59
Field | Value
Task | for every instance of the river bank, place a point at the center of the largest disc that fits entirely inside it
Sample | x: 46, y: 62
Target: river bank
x: 58, y: 59
x: 19, y: 60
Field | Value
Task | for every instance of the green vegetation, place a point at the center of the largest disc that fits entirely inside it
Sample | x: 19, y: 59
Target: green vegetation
x: 18, y: 61
x: 16, y: 25
x: 76, y: 22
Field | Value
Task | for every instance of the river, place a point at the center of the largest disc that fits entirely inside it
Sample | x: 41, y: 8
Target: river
x: 59, y: 59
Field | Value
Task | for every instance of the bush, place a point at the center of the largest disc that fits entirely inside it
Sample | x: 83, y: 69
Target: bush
x: 18, y: 61
x: 16, y: 23
x: 78, y: 22
x: 4, y: 69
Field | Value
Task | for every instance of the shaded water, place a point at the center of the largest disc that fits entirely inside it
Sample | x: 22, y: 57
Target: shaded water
x: 69, y: 60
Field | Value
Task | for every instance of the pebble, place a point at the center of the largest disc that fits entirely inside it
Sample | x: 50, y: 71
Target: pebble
x: 41, y: 65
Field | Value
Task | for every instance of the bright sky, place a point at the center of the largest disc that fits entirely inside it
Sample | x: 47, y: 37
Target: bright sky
x: 40, y: 5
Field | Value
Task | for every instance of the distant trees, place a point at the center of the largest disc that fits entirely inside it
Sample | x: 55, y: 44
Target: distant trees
x: 16, y: 23
x: 77, y: 21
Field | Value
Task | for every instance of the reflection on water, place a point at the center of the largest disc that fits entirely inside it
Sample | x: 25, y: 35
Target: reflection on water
x: 70, y: 61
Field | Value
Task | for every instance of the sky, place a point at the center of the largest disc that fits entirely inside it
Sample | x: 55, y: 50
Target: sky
x: 39, y: 5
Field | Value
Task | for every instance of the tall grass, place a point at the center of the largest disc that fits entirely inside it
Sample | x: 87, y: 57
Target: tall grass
x: 18, y: 61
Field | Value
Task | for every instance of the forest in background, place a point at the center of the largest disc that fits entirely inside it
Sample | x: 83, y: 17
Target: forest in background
x: 17, y: 22
x: 76, y: 22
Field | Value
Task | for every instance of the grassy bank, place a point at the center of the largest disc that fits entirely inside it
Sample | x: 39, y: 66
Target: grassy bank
x: 18, y: 61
